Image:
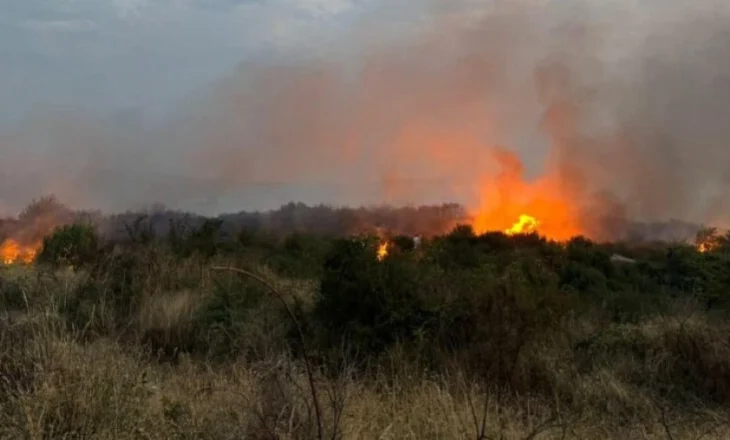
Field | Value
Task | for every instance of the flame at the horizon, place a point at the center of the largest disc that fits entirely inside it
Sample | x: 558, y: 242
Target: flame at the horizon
x: 12, y: 251
x: 509, y: 203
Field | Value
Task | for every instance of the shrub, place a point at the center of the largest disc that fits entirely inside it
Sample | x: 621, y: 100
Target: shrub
x: 240, y: 319
x: 458, y: 250
x: 300, y: 256
x: 491, y: 318
x: 74, y: 245
x: 109, y: 298
x: 369, y: 303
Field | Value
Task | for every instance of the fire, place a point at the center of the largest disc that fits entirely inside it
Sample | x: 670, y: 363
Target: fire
x: 709, y: 245
x: 556, y: 219
x: 525, y: 225
x: 708, y: 240
x: 383, y: 250
x: 13, y: 252
x: 505, y: 198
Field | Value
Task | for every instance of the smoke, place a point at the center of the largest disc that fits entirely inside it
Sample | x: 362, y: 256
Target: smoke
x: 618, y: 107
x: 37, y: 220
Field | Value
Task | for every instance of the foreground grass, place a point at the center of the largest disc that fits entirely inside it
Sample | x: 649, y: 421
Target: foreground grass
x: 665, y: 376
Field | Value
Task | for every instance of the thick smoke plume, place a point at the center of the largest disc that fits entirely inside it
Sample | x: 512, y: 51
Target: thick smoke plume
x: 596, y: 113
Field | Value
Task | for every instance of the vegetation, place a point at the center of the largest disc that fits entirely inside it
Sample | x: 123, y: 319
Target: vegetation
x: 464, y: 336
x: 75, y: 245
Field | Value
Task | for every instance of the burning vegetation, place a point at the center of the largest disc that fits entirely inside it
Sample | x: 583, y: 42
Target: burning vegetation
x: 525, y: 225
x: 13, y: 252
x: 455, y: 111
x: 21, y: 238
x: 456, y: 300
x: 383, y: 248
x: 540, y: 293
x: 710, y: 240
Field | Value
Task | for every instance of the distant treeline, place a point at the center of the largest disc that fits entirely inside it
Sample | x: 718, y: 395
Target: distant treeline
x: 41, y: 216
x: 319, y: 220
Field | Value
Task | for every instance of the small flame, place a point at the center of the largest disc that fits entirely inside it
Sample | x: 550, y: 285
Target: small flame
x: 383, y: 250
x: 525, y: 225
x: 706, y: 246
x: 13, y: 252
x: 708, y: 240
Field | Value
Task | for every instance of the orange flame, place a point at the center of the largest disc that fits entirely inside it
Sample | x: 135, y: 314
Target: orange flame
x: 13, y: 252
x: 508, y: 196
x: 525, y: 225
x: 383, y: 250
x: 708, y: 244
x: 708, y: 240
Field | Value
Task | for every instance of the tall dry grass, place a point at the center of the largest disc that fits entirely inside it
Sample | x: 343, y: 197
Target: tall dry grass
x: 595, y: 380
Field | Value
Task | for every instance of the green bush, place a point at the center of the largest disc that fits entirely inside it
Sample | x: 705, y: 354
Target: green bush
x: 300, y: 256
x: 109, y: 297
x: 75, y: 245
x: 11, y: 295
x: 489, y: 317
x: 458, y: 250
x: 369, y: 303
x: 240, y: 319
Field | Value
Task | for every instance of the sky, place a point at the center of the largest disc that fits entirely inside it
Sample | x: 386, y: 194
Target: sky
x: 222, y: 105
x: 78, y: 75
x: 121, y: 57
x: 143, y: 58
x: 131, y: 65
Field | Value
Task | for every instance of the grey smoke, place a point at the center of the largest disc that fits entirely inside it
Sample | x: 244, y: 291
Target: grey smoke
x: 626, y: 102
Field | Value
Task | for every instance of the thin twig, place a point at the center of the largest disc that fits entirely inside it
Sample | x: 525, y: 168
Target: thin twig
x: 472, y: 407
x: 485, y: 409
x: 546, y: 425
x: 663, y: 418
x: 292, y: 317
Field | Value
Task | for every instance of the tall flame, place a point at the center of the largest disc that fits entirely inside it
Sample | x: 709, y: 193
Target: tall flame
x: 12, y: 251
x: 505, y: 199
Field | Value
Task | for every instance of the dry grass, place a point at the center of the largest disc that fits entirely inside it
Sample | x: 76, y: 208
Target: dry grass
x: 105, y: 391
x: 56, y: 384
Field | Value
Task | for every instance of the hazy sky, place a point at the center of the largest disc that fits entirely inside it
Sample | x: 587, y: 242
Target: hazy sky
x: 117, y: 103
x: 78, y: 75
x: 146, y: 55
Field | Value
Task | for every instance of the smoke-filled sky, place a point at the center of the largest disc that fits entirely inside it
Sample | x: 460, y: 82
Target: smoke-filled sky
x: 621, y: 106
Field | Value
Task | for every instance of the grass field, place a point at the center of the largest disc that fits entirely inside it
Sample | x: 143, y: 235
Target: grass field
x: 462, y: 338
